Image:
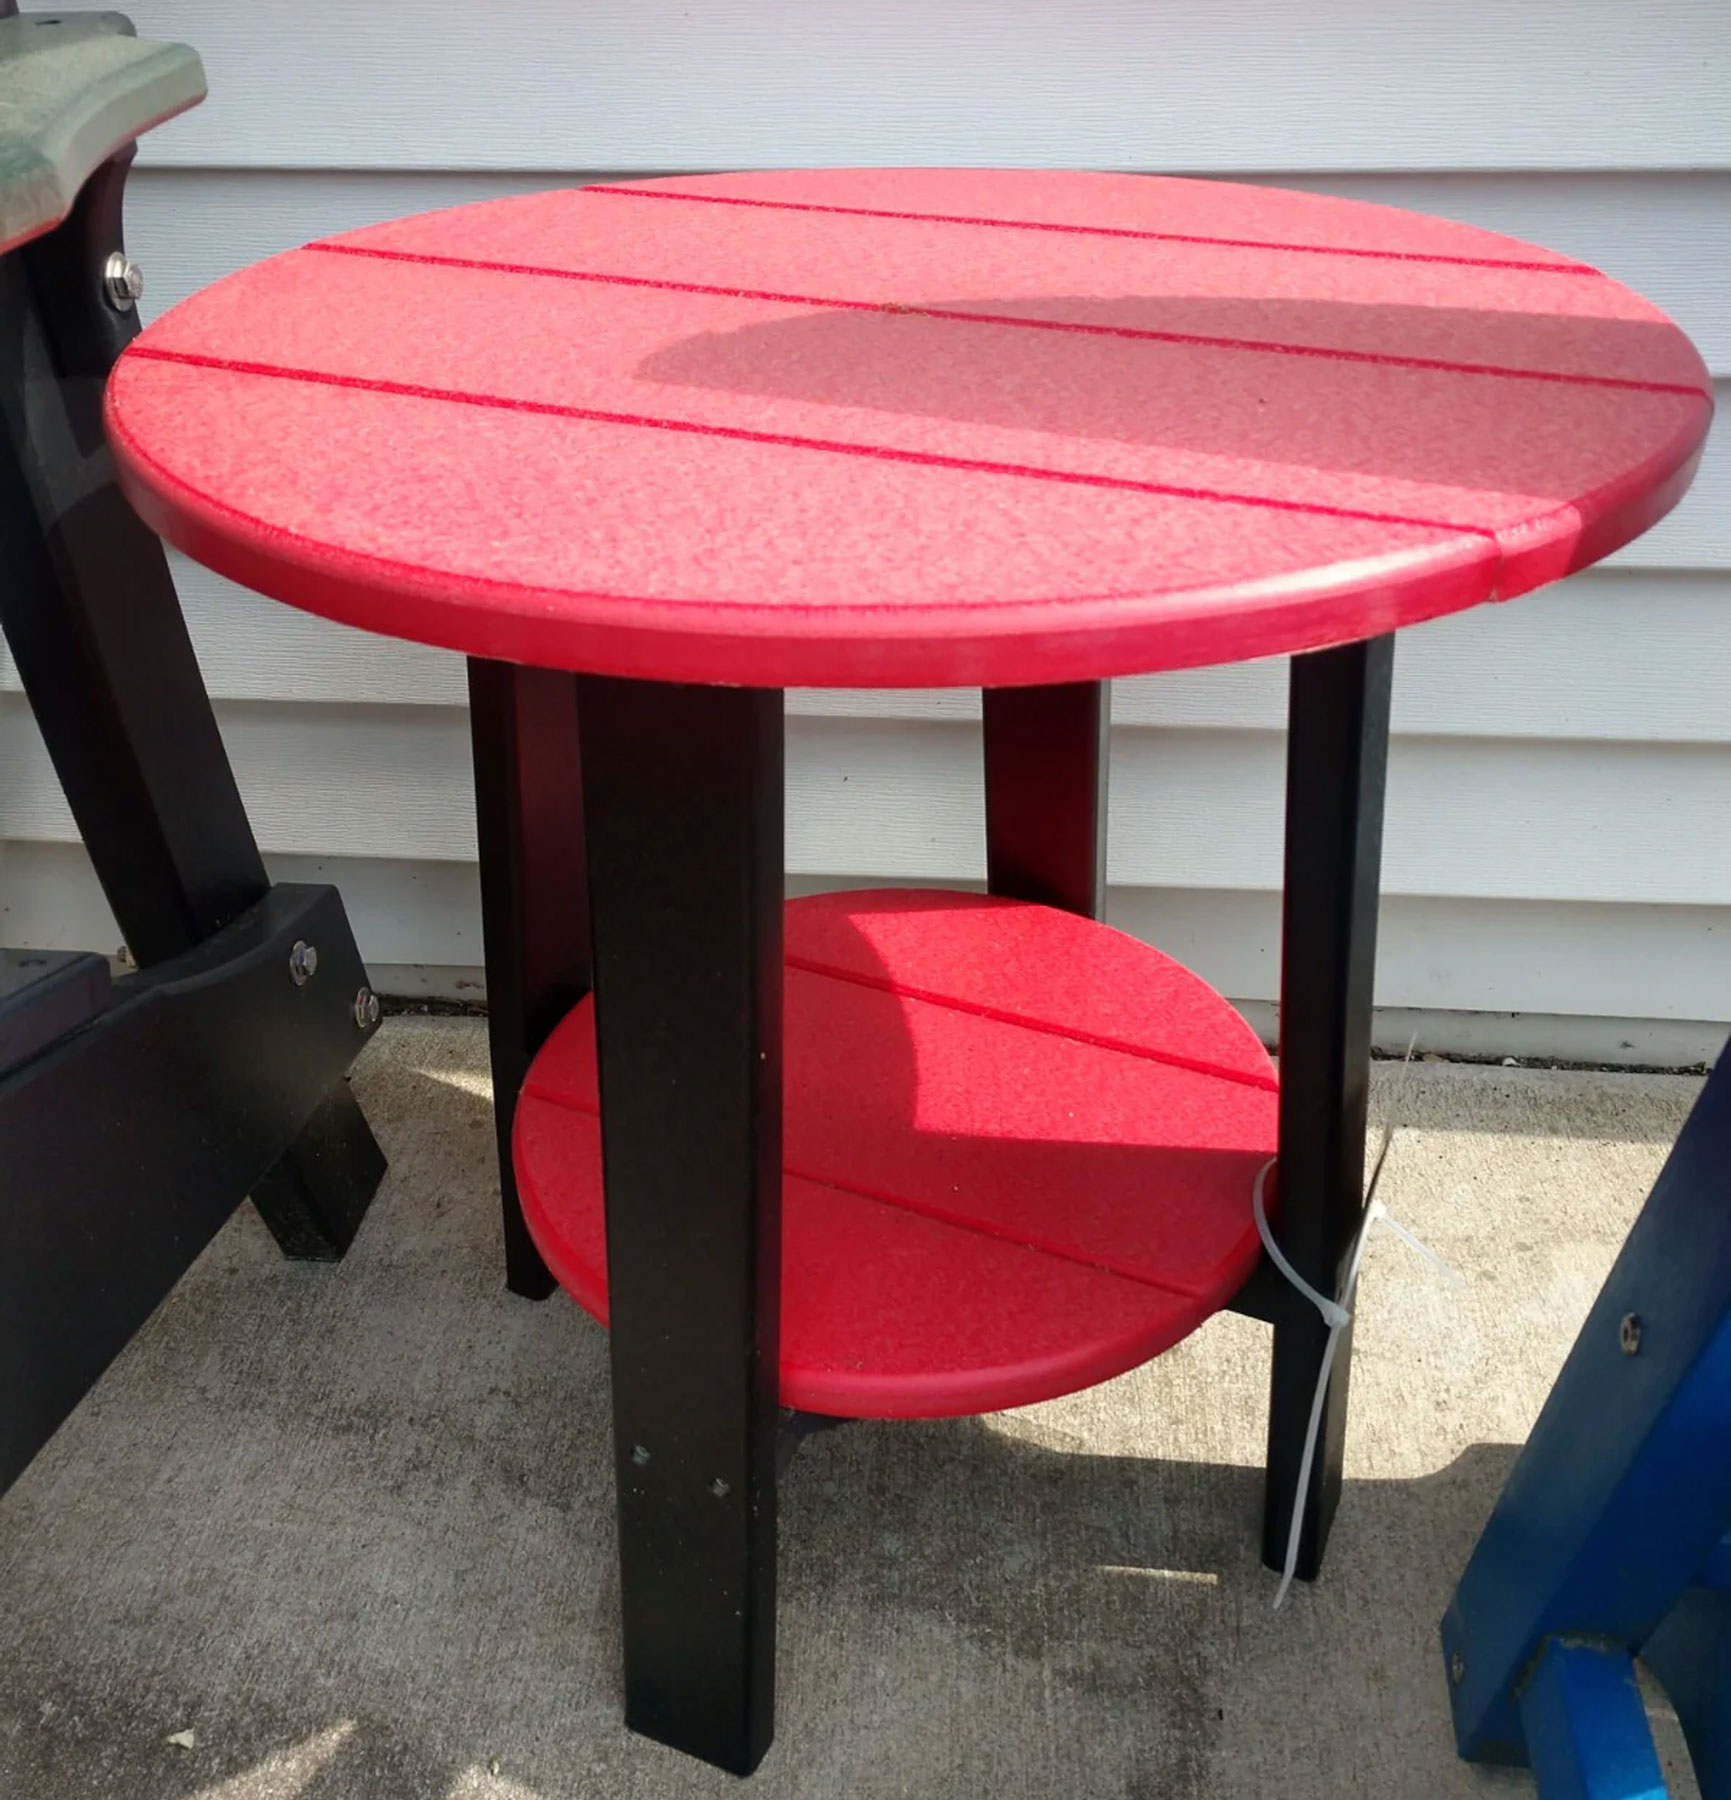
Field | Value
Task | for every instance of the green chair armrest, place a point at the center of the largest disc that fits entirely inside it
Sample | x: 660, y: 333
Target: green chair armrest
x: 75, y: 88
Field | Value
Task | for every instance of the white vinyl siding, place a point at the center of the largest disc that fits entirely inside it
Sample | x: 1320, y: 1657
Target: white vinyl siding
x: 1223, y: 87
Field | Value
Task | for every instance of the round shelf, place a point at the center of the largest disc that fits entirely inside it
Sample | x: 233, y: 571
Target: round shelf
x: 1019, y: 1150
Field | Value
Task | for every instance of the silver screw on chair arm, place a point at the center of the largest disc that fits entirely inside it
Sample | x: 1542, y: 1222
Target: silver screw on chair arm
x: 122, y: 282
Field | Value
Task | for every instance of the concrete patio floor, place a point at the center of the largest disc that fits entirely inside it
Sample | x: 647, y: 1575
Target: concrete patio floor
x: 352, y: 1526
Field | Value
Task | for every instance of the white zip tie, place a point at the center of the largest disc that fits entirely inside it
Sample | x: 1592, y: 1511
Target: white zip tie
x: 1333, y: 1313
x: 1337, y: 1315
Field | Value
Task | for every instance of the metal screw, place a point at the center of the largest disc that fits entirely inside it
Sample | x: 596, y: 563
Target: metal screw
x: 1629, y: 1334
x: 719, y: 1488
x: 366, y: 1008
x: 303, y: 963
x: 639, y: 1455
x: 122, y: 282
x: 1457, y: 1668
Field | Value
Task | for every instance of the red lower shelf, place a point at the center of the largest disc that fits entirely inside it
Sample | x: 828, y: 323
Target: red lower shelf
x: 1019, y: 1151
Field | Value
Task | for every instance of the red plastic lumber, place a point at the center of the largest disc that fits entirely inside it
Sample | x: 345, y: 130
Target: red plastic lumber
x: 918, y: 427
x: 1019, y: 1153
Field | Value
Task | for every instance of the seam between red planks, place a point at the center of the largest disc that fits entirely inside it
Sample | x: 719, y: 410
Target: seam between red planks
x: 919, y: 1208
x: 792, y: 441
x: 1112, y: 231
x: 999, y: 1015
x: 966, y: 316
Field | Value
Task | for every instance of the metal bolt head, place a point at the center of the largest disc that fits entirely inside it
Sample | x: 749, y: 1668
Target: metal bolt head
x: 303, y: 963
x: 366, y: 1009
x: 1457, y: 1668
x: 639, y: 1455
x: 122, y: 282
x: 1629, y: 1333
x: 719, y: 1488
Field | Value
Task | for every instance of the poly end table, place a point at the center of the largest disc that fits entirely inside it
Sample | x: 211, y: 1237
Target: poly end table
x: 699, y: 440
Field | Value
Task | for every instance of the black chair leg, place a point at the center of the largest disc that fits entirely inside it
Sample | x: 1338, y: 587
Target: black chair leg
x: 95, y: 628
x: 316, y: 1196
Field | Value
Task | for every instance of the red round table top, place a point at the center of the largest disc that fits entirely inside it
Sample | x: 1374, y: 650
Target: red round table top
x: 910, y: 426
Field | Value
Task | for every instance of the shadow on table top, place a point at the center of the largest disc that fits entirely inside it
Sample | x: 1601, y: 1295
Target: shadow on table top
x: 1107, y: 371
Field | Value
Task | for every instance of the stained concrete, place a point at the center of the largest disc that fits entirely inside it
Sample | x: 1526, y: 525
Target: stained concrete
x: 352, y: 1526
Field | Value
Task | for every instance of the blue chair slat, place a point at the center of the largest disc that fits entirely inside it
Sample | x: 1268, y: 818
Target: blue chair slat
x: 1620, y: 1503
x: 1586, y: 1726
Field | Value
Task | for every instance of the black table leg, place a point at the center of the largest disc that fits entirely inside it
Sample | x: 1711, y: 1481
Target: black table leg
x: 534, y: 895
x: 1046, y: 759
x: 1336, y: 767
x: 682, y: 789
